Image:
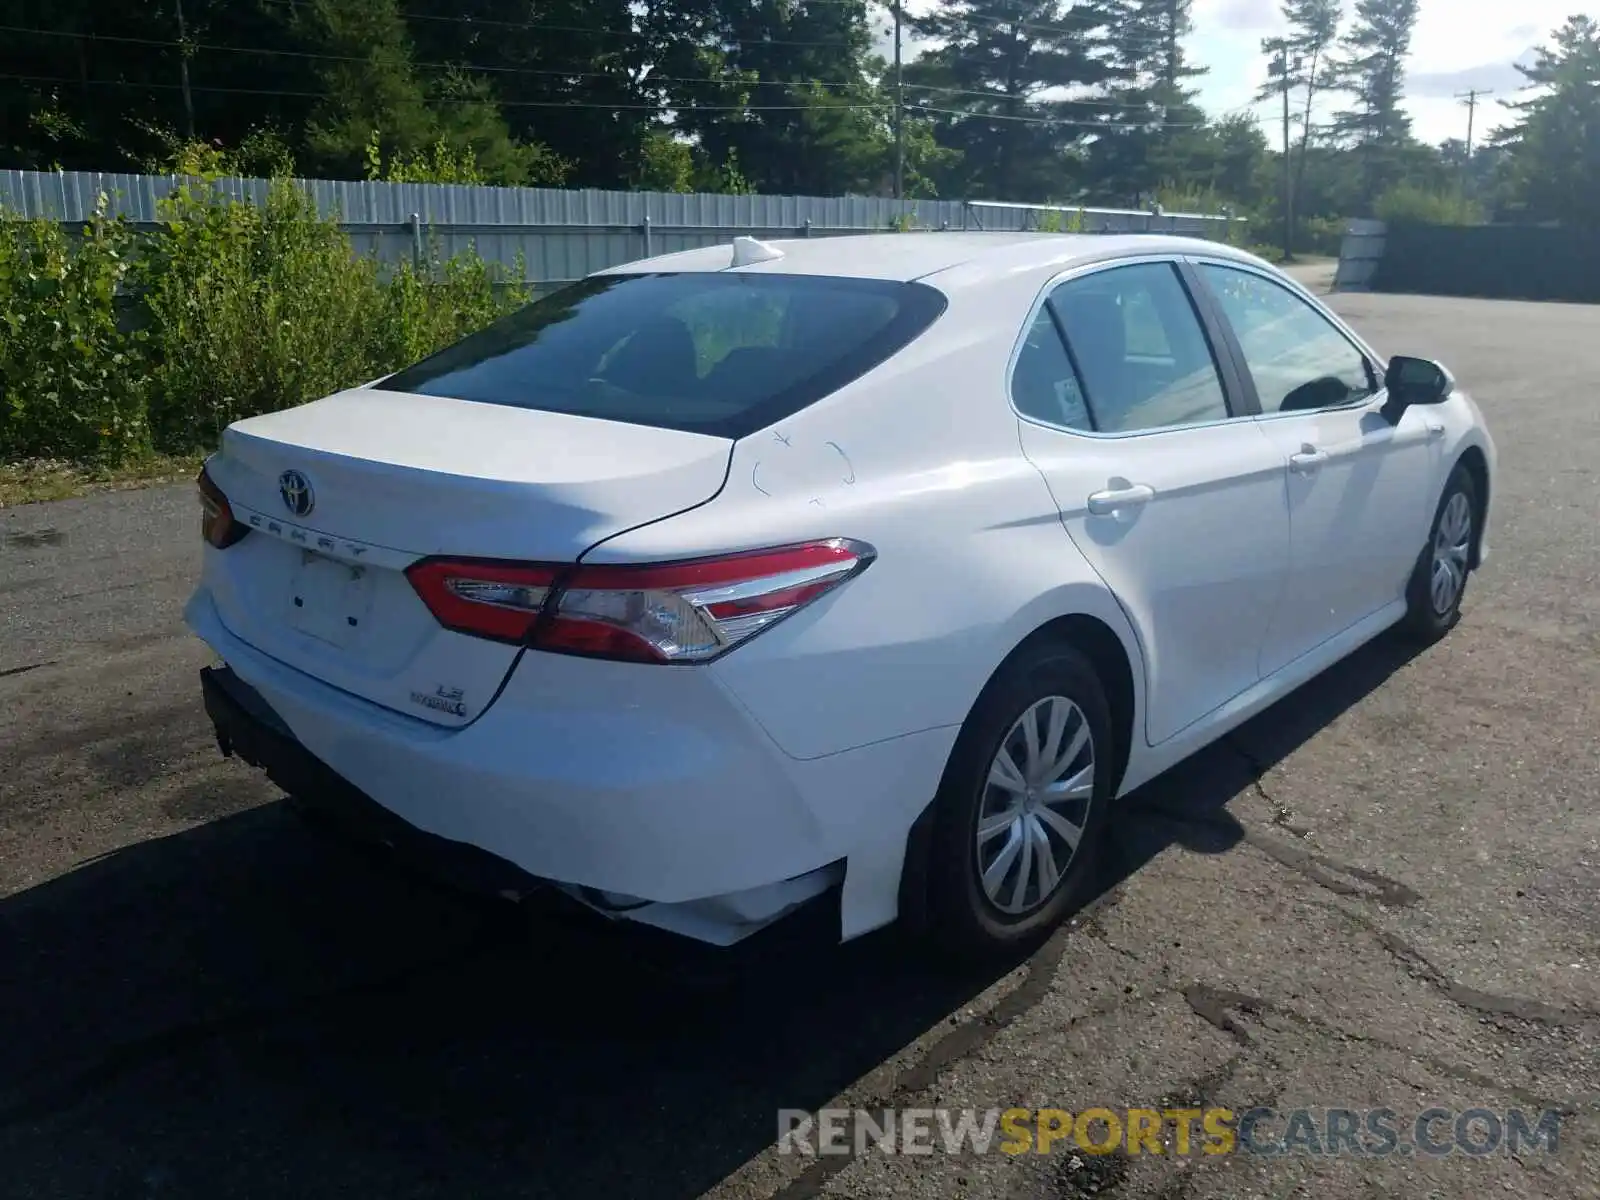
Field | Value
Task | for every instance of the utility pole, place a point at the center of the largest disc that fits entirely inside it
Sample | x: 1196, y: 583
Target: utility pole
x: 1279, y: 70
x: 183, y: 72
x: 899, y: 112
x: 1470, y: 99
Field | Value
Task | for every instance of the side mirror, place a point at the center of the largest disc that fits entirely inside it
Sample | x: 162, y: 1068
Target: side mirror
x: 1416, y: 381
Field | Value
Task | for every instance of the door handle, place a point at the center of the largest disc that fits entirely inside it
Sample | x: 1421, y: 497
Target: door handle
x: 1106, y: 504
x: 1435, y: 429
x: 1308, y: 460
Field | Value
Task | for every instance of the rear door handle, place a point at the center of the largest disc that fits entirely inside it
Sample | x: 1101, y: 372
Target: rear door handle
x: 1308, y: 460
x: 1105, y: 504
x: 1435, y: 429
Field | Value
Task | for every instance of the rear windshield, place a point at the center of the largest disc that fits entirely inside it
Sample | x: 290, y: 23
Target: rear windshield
x: 704, y: 352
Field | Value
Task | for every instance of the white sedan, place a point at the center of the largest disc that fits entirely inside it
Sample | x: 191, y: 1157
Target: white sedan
x: 875, y: 568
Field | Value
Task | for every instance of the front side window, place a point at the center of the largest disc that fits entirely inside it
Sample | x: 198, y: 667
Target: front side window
x: 1299, y: 360
x: 704, y: 352
x: 1141, y: 352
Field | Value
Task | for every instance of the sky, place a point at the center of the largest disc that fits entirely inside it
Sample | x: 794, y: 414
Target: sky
x: 1459, y: 44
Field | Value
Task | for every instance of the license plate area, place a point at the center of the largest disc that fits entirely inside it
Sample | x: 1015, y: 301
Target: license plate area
x: 329, y: 600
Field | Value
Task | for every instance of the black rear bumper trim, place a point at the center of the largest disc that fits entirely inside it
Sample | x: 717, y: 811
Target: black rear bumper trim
x: 247, y: 726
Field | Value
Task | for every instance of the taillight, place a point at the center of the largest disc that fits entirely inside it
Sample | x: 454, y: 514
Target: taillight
x: 217, y: 525
x: 659, y: 613
x: 487, y: 599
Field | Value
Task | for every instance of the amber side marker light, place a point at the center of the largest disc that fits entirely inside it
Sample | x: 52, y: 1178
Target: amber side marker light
x: 217, y: 525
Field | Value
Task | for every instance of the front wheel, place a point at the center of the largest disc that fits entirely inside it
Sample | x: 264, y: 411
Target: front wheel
x: 1021, y: 811
x: 1439, y: 581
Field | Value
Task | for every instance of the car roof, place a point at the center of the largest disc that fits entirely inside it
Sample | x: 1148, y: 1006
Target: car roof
x: 903, y: 257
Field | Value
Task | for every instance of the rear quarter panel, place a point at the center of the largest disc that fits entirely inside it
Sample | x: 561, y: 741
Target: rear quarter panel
x: 921, y: 459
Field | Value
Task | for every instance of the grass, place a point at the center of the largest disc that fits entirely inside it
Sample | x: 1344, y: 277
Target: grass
x: 37, y: 480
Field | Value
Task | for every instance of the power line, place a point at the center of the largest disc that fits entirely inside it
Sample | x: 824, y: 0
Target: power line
x: 122, y: 83
x: 1111, y: 126
x: 589, y: 29
x: 556, y: 72
x: 491, y: 23
x: 548, y: 72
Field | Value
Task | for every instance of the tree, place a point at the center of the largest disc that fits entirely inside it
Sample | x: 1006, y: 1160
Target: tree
x: 1299, y: 64
x: 368, y: 84
x: 427, y: 121
x: 1236, y: 150
x: 1153, y: 129
x: 93, y: 86
x: 1373, y: 70
x: 787, y: 90
x: 1313, y: 30
x: 993, y: 90
x: 568, y: 75
x: 1554, y: 147
x: 666, y: 163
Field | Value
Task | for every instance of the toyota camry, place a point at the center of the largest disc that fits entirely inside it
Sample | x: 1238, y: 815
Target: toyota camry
x: 873, y: 568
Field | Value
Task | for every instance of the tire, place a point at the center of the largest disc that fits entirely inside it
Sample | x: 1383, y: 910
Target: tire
x: 1431, y: 614
x: 964, y: 918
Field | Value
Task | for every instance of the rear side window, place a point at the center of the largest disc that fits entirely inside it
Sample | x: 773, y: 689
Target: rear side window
x: 703, y: 352
x: 1140, y: 350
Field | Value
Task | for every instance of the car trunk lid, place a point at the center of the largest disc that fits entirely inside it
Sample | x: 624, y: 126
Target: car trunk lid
x: 343, y: 494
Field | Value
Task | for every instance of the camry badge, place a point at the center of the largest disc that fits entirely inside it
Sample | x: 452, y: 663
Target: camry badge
x: 295, y: 489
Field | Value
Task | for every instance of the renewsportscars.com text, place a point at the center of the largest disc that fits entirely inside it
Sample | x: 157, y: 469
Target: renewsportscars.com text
x: 1266, y: 1132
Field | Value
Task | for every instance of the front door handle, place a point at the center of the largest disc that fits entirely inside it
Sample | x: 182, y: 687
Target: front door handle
x: 1435, y: 429
x: 1308, y: 460
x: 1105, y: 504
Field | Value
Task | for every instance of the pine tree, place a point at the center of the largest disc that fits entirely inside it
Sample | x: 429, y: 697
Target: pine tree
x: 987, y: 90
x: 1154, y: 128
x: 568, y: 74
x: 807, y: 116
x: 1555, y: 145
x: 1314, y: 28
x: 369, y: 85
x: 1373, y: 70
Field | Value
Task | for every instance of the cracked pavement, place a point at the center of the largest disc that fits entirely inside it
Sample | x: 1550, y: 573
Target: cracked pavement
x: 1385, y: 892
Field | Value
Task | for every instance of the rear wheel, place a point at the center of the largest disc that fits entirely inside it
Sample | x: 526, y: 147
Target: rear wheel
x: 1021, y: 811
x: 1439, y: 580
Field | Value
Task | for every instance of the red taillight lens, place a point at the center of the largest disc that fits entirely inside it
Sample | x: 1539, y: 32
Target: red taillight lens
x: 660, y: 613
x: 486, y: 599
x: 217, y: 525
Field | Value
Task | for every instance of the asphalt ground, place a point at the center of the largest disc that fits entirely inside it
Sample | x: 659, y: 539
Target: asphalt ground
x: 1383, y: 893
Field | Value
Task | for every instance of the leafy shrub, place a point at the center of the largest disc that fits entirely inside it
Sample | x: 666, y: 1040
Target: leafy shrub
x: 1320, y: 235
x: 1409, y: 204
x: 233, y: 310
x: 425, y: 309
x: 70, y: 383
x: 250, y: 309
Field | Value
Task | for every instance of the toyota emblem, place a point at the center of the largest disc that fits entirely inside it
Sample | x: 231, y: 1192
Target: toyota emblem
x: 295, y: 489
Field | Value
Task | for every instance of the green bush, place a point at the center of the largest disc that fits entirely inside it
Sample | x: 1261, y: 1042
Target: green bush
x: 232, y: 310
x: 426, y: 309
x: 1409, y: 204
x: 1320, y: 235
x: 70, y: 379
x: 250, y: 309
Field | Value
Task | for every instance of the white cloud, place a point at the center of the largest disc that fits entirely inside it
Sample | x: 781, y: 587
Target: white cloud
x: 1245, y: 14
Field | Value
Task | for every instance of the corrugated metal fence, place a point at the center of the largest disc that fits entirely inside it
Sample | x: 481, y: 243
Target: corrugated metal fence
x: 1494, y: 262
x: 565, y: 235
x: 1359, y: 255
